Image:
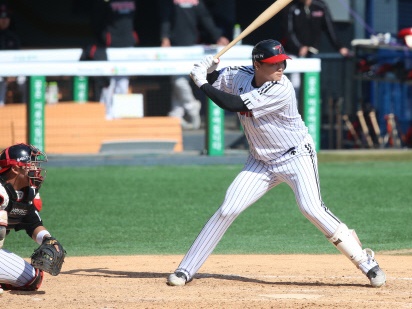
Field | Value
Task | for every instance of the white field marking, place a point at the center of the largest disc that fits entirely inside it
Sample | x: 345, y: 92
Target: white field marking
x: 309, y: 277
x: 397, y: 252
x: 292, y: 296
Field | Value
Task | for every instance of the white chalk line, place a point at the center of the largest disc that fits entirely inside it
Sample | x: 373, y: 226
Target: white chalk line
x: 313, y: 277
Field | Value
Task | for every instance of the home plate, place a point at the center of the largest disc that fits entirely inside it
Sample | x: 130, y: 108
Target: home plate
x: 292, y: 296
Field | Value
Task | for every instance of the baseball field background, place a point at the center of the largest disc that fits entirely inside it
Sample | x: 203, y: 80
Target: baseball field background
x: 103, y: 214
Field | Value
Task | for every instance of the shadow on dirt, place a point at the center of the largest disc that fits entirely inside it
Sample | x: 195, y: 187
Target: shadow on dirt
x: 104, y: 272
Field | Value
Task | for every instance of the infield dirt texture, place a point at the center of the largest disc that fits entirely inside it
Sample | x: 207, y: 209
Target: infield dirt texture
x: 241, y: 281
x: 122, y: 246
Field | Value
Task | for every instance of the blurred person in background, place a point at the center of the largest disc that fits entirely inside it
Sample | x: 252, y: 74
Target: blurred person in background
x: 306, y: 20
x: 8, y: 41
x: 224, y: 15
x: 181, y: 22
x: 113, y: 26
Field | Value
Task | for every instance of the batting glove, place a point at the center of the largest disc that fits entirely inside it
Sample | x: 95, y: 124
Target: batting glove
x: 198, y: 74
x: 210, y: 63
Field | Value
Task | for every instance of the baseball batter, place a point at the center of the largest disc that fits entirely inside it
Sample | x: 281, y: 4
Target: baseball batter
x: 21, y: 176
x: 281, y: 150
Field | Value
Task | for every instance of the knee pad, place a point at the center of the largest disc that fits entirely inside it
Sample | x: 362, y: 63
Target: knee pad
x: 33, y: 285
x: 348, y: 244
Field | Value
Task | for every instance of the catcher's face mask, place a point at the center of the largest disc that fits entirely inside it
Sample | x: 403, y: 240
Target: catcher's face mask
x: 27, y: 157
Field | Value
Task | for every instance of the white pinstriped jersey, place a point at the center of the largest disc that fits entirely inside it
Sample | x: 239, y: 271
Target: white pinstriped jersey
x: 273, y: 126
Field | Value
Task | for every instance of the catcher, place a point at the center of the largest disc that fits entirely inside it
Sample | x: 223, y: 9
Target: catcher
x: 21, y: 176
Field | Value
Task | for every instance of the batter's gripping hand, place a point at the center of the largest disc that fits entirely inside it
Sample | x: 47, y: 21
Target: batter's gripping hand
x: 198, y: 74
x: 210, y: 63
x: 49, y: 258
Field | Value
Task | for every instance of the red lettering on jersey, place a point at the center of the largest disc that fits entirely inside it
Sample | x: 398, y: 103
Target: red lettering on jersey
x: 186, y: 2
x: 317, y: 13
x: 247, y: 114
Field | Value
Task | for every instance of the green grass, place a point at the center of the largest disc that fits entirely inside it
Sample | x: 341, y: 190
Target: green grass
x: 161, y: 209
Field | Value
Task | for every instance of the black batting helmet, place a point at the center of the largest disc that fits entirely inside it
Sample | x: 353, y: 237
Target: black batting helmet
x: 26, y: 156
x: 269, y: 51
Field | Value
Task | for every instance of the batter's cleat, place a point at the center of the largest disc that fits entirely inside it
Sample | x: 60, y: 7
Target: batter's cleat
x: 377, y: 277
x: 177, y: 279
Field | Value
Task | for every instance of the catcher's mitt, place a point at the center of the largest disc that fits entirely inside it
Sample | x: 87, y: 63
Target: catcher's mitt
x: 46, y: 257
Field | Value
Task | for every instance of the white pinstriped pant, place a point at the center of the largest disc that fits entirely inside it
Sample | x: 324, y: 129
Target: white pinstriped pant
x: 15, y: 270
x: 299, y: 170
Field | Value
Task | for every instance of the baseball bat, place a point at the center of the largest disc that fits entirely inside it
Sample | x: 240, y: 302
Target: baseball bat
x: 259, y: 21
x: 351, y: 130
x: 387, y: 139
x: 401, y: 134
x: 365, y: 129
x: 395, y: 134
x: 375, y: 125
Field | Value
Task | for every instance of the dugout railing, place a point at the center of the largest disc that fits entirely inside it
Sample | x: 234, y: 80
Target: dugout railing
x: 139, y: 63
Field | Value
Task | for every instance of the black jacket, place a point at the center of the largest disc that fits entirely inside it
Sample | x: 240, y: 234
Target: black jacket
x: 9, y: 40
x: 305, y: 28
x: 180, y: 21
x: 113, y: 23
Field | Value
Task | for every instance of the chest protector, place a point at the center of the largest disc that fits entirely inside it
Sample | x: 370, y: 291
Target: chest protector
x: 20, y: 203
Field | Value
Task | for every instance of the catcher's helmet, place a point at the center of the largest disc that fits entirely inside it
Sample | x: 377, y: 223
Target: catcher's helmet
x: 26, y: 156
x: 269, y: 51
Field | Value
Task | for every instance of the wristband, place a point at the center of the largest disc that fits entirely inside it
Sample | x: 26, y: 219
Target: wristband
x: 40, y: 236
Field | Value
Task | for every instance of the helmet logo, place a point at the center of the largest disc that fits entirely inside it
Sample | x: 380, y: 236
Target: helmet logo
x: 24, y: 158
x: 278, y: 49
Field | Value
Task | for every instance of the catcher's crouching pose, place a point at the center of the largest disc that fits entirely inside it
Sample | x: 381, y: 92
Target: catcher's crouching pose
x: 20, y: 179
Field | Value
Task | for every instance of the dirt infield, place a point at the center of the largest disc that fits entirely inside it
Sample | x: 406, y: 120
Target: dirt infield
x: 240, y: 281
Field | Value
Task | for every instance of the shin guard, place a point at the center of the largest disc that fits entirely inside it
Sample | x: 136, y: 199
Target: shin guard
x: 346, y: 243
x: 33, y: 285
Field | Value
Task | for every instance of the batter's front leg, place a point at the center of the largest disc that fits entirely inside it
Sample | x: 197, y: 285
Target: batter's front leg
x: 246, y: 189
